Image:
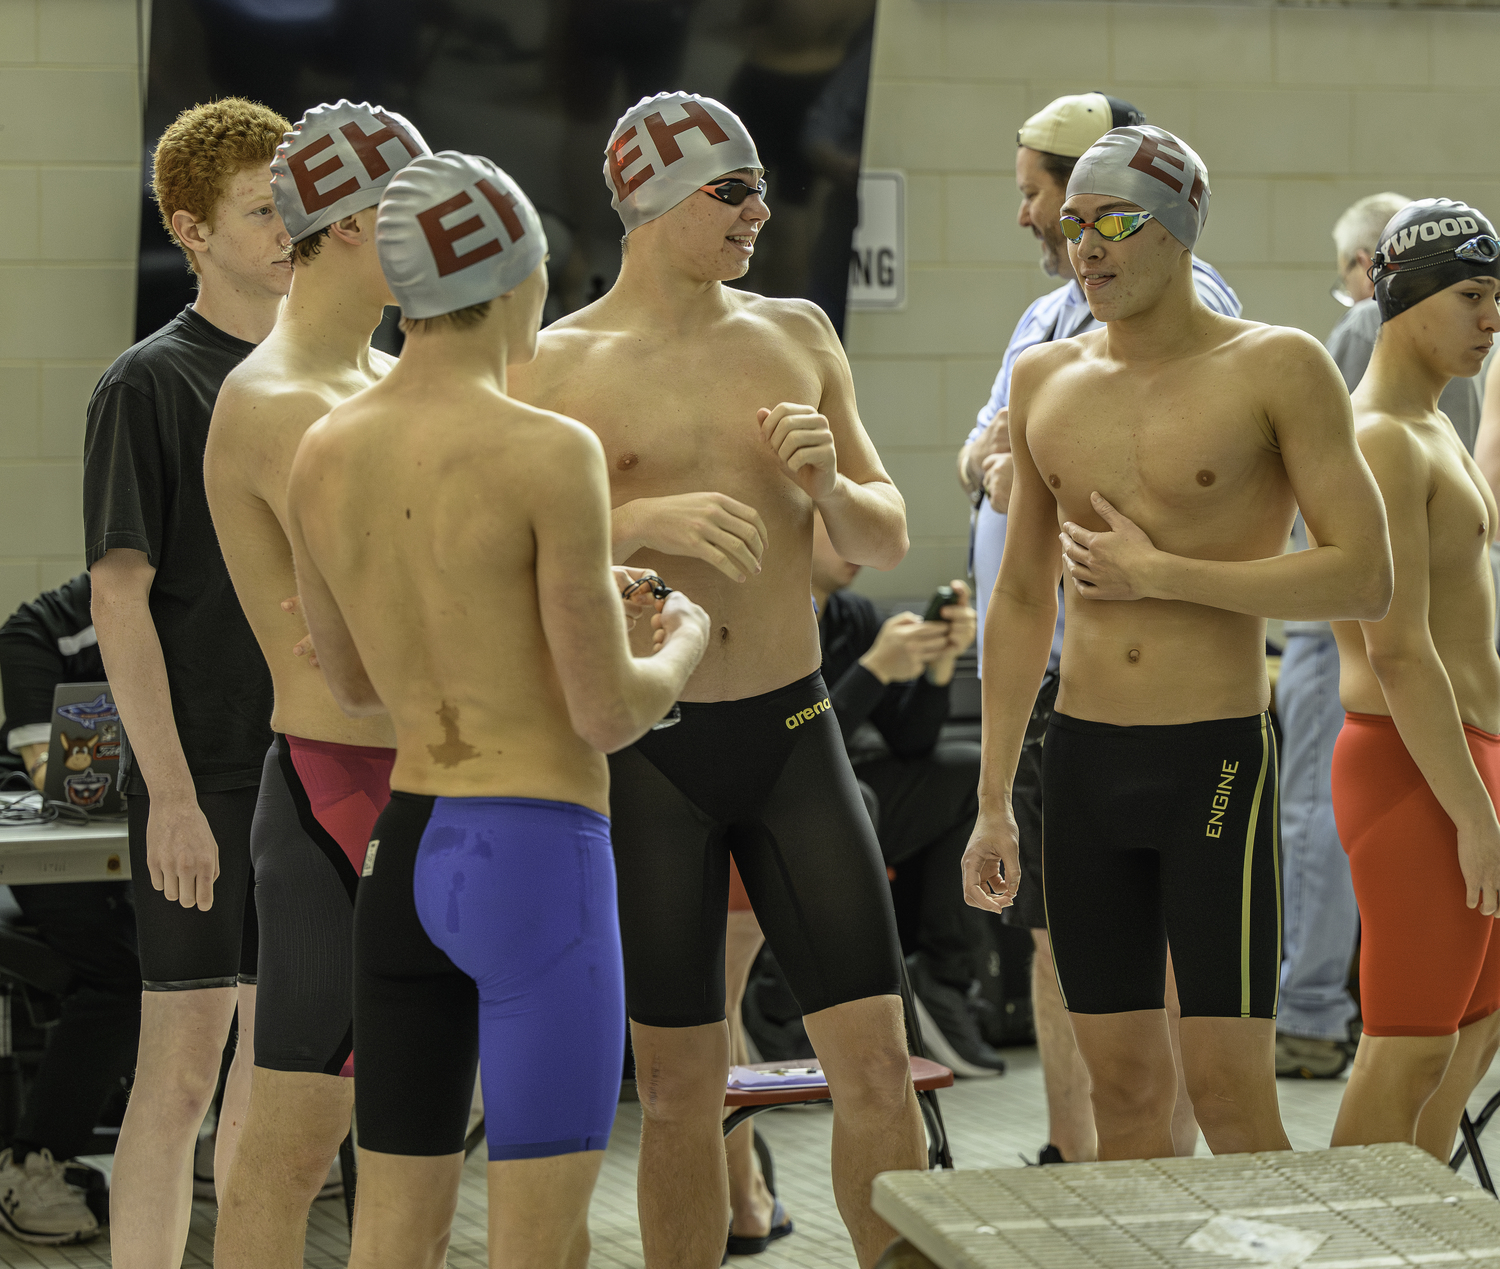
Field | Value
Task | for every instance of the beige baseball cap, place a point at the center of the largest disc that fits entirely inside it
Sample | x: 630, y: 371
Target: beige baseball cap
x: 1070, y: 125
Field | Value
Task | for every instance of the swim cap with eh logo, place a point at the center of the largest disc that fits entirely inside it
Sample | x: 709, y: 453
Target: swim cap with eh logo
x: 1151, y: 168
x: 336, y: 161
x: 454, y: 230
x: 1428, y: 246
x: 664, y: 148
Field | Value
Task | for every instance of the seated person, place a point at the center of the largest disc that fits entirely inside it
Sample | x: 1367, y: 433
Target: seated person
x: 90, y: 924
x: 895, y: 676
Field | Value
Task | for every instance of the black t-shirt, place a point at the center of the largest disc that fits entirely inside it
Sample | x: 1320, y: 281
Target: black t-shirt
x: 143, y: 490
x: 44, y: 643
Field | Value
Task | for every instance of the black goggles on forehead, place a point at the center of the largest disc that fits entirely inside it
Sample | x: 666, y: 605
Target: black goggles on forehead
x: 733, y: 191
x: 1482, y: 249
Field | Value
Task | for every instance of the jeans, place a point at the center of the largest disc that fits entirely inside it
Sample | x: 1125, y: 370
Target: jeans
x: 927, y: 810
x: 91, y: 925
x: 1321, y: 916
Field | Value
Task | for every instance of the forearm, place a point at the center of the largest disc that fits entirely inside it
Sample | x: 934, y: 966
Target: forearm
x: 1017, y: 644
x: 1325, y: 583
x: 969, y: 475
x: 1425, y: 712
x: 137, y: 675
x: 625, y: 531
x: 652, y: 686
x: 866, y: 523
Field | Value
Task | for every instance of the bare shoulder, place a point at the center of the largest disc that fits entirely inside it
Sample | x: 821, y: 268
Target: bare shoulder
x: 1035, y: 364
x: 1291, y: 349
x: 1389, y: 442
x: 801, y: 320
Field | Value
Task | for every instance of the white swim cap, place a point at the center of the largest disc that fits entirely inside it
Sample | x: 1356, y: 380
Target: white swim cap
x: 1152, y: 169
x: 454, y: 230
x: 336, y: 161
x: 666, y: 147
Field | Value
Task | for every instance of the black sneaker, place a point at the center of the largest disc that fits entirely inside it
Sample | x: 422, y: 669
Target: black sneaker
x: 950, y: 1030
x: 1047, y: 1154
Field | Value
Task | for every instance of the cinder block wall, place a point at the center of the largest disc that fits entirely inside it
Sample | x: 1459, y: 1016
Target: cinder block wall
x: 1296, y: 111
x: 70, y: 145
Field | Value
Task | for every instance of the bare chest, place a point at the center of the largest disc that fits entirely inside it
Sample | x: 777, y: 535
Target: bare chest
x: 1460, y: 515
x: 1175, y: 455
x: 674, y: 419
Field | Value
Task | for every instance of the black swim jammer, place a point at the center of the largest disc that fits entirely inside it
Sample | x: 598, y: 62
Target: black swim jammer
x: 1158, y: 834
x: 766, y: 779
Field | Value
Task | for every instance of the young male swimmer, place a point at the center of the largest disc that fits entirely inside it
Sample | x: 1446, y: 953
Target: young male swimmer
x: 1169, y: 452
x: 727, y: 417
x: 1416, y: 768
x: 326, y: 776
x: 442, y: 530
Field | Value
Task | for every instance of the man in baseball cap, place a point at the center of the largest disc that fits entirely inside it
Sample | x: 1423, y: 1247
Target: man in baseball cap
x: 727, y: 419
x: 1048, y: 147
x: 453, y: 550
x: 326, y: 776
x: 1173, y: 449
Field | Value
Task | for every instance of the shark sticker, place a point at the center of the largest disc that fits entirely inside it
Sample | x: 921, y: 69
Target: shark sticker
x: 88, y: 714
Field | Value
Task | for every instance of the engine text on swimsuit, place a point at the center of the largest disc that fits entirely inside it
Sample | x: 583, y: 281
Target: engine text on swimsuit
x: 1221, y: 800
x: 796, y: 720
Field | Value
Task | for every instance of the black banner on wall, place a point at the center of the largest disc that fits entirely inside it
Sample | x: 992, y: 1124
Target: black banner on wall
x: 536, y: 85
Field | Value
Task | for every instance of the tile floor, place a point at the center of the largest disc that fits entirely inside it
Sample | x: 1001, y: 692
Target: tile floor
x: 991, y: 1124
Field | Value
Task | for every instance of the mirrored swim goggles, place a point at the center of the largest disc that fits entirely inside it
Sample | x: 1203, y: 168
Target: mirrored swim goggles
x: 734, y: 191
x: 1112, y: 228
x: 1479, y: 250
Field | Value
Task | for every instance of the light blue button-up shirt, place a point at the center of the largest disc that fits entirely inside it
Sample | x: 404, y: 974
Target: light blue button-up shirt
x: 1059, y: 314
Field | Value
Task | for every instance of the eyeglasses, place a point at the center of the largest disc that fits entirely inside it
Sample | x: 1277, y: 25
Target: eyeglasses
x: 733, y: 191
x: 1112, y: 228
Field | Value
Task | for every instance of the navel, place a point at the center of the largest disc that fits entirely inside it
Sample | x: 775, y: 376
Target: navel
x: 1133, y: 655
x: 1055, y: 481
x: 626, y: 461
x: 408, y: 513
x: 723, y: 633
x: 1206, y: 478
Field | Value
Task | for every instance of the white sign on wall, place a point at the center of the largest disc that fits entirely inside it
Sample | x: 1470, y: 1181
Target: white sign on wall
x: 877, y: 263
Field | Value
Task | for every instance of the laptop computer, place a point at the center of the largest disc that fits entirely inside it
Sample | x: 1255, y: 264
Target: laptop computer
x: 83, y: 761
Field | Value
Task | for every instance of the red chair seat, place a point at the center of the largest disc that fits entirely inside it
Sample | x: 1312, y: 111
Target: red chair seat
x: 924, y: 1074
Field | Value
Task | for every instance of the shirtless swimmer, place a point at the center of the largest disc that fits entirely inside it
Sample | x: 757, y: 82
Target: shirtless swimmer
x: 1204, y: 433
x: 326, y: 776
x: 693, y: 386
x: 452, y: 550
x: 1416, y: 768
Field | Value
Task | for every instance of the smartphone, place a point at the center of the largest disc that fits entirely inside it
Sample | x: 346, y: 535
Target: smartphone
x: 942, y: 597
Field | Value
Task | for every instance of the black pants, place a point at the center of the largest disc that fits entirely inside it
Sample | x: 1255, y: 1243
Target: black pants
x: 91, y: 925
x: 927, y: 812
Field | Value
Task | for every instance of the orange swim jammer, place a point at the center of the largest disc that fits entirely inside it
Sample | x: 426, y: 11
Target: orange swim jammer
x: 1428, y: 964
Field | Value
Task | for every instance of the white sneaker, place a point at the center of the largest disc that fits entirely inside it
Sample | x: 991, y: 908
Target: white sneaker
x: 37, y: 1205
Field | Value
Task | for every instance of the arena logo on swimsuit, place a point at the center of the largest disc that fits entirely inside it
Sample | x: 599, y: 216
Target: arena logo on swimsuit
x: 1430, y: 231
x: 1221, y: 800
x: 806, y: 715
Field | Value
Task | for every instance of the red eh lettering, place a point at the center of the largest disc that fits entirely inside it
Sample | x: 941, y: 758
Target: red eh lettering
x: 441, y: 239
x: 664, y: 135
x: 1145, y: 161
x: 618, y: 162
x: 366, y: 147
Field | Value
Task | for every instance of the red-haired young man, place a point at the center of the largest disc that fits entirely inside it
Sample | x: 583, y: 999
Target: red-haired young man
x: 191, y: 685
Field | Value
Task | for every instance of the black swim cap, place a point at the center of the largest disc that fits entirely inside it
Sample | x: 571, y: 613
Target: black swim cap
x: 1428, y: 246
